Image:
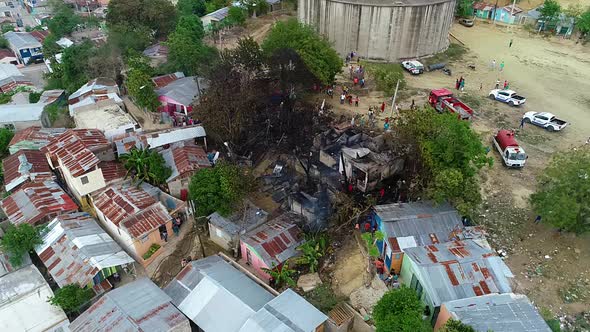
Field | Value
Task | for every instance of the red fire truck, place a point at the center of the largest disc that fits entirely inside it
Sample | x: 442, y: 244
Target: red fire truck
x: 512, y: 154
x: 443, y: 100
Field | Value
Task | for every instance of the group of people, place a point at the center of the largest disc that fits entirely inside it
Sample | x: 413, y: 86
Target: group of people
x: 505, y: 86
x: 460, y: 83
x: 493, y: 65
x: 392, y: 279
x: 182, y: 121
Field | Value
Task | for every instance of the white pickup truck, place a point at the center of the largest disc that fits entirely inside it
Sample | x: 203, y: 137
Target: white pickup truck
x: 507, y: 96
x: 414, y: 66
x: 544, y: 120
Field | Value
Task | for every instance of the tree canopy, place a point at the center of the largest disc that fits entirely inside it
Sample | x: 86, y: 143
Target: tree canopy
x: 139, y: 82
x: 583, y: 22
x: 187, y: 52
x: 71, y: 297
x: 316, y: 51
x: 218, y: 189
x: 550, y: 10
x: 5, y: 138
x: 399, y: 310
x: 157, y: 15
x: 191, y: 7
x: 464, y: 8
x: 452, y: 154
x: 19, y: 240
x: 146, y: 165
x: 453, y: 325
x: 562, y: 198
x: 64, y: 20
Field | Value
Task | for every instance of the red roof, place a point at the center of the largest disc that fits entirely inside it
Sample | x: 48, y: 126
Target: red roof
x: 112, y: 171
x: 5, y: 53
x: 37, y: 134
x: 121, y: 201
x: 505, y: 139
x: 147, y: 220
x: 162, y: 81
x: 40, y: 35
x: 35, y: 201
x: 74, y: 149
x: 188, y: 158
x: 441, y: 92
x: 482, y: 5
x: 25, y: 165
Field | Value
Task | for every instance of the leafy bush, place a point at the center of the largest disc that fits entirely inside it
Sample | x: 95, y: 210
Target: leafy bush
x: 370, y: 240
x: 153, y: 248
x: 281, y: 275
x: 453, y: 53
x: 386, y: 75
x: 5, y: 138
x: 453, y: 325
x: 399, y: 310
x: 34, y: 97
x: 312, y: 250
x: 71, y: 297
x: 19, y: 240
x: 323, y: 298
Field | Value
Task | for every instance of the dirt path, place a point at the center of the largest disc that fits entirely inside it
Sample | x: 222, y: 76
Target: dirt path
x: 349, y: 268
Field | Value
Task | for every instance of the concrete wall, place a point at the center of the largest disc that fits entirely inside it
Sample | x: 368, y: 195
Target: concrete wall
x: 382, y: 31
x: 443, y: 316
x: 256, y: 262
x: 220, y: 237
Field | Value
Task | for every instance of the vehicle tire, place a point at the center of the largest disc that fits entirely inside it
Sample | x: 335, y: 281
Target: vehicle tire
x: 513, y: 104
x: 491, y: 97
x: 527, y: 120
x: 551, y: 129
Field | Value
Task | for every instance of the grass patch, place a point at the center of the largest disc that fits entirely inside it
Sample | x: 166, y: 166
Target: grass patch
x: 577, y: 291
x: 386, y: 75
x: 550, y: 319
x: 471, y: 100
x: 153, y: 248
x: 453, y: 53
x: 323, y: 298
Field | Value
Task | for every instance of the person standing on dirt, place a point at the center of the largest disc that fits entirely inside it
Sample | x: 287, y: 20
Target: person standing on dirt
x: 502, y: 65
x: 462, y: 84
x: 382, y: 107
x: 493, y: 64
x: 510, y: 44
x: 497, y: 83
x: 505, y: 84
x: 355, y: 81
x: 342, y: 97
x: 457, y: 84
x: 362, y: 83
x: 356, y: 101
x: 521, y: 124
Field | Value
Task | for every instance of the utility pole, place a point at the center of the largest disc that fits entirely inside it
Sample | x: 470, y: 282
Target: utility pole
x: 495, y: 10
x: 394, y: 97
x: 512, y: 12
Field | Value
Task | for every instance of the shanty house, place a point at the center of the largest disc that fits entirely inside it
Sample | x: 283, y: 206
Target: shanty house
x: 226, y: 232
x: 271, y: 244
x: 77, y: 154
x: 25, y: 166
x: 207, y: 288
x: 214, y: 17
x: 76, y: 250
x: 24, y: 305
x: 483, y: 10
x: 157, y: 53
x: 185, y: 159
x: 509, y: 15
x: 365, y: 168
x: 21, y: 116
x: 494, y: 312
x: 106, y: 116
x: 157, y: 139
x: 454, y: 270
x: 11, y: 78
x: 415, y: 224
x: 95, y: 90
x: 26, y: 47
x: 36, y: 203
x: 7, y: 56
x: 137, y: 306
x: 177, y: 93
x: 138, y: 217
x: 33, y: 138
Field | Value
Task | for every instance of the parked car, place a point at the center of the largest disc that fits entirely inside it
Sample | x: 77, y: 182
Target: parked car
x: 545, y: 120
x: 413, y: 66
x: 19, y: 23
x: 466, y: 22
x: 512, y: 154
x: 507, y: 96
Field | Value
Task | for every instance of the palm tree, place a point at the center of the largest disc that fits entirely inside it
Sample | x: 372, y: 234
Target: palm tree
x: 137, y: 162
x: 281, y: 275
x: 312, y: 250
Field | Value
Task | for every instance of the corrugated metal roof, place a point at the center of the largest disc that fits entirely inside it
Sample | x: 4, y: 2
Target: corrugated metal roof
x: 112, y: 171
x: 137, y: 306
x: 74, y: 149
x: 156, y: 139
x: 75, y: 249
x: 414, y: 224
x: 49, y: 96
x: 219, y: 14
x: 36, y: 200
x: 459, y: 269
x: 34, y: 137
x: 215, y: 295
x: 275, y: 241
x: 6, y: 267
x: 185, y: 159
x: 21, y: 113
x: 498, y: 312
x: 96, y: 86
x: 147, y: 220
x: 293, y: 311
x: 23, y: 166
x: 244, y: 220
x: 161, y: 81
x: 9, y: 73
x: 184, y: 90
x: 21, y: 40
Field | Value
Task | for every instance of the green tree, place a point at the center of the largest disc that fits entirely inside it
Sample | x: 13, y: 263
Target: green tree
x: 64, y: 21
x: 452, y: 154
x: 71, y: 73
x: 50, y: 46
x: 128, y: 36
x: 19, y: 241
x: 399, y: 310
x: 191, y: 7
x: 146, y: 165
x: 464, y: 8
x: 550, y: 11
x: 316, y: 51
x: 371, y: 240
x: 6, y: 136
x: 7, y: 28
x: 218, y: 189
x: 157, y: 15
x: 34, y: 97
x: 236, y: 16
x: 583, y: 22
x: 187, y: 52
x: 3, y: 42
x: 562, y: 198
x: 312, y: 250
x: 139, y: 82
x: 453, y: 325
x: 281, y: 275
x: 71, y: 297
